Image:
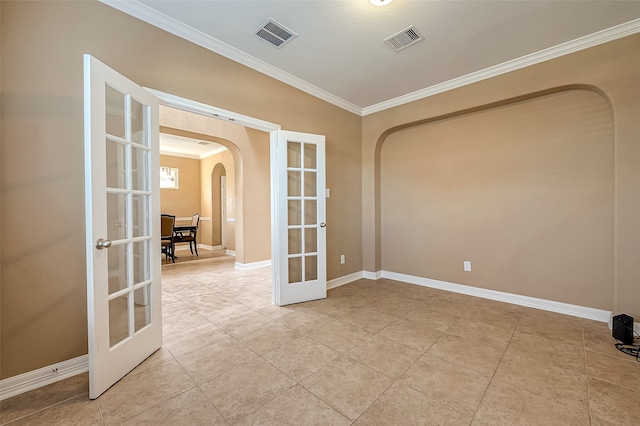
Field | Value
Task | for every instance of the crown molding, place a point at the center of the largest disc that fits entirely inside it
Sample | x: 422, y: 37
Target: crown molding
x: 166, y: 23
x: 600, y: 37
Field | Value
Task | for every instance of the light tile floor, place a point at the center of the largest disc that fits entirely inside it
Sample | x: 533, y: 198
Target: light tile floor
x: 372, y: 353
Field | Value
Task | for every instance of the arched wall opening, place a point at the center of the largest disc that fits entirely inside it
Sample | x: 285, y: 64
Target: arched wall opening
x: 218, y: 207
x: 247, y: 170
x: 523, y: 188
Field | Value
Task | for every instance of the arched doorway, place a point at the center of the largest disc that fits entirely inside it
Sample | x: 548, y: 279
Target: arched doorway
x: 219, y: 206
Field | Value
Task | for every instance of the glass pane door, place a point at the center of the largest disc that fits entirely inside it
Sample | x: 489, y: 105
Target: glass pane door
x: 122, y: 224
x: 300, y: 274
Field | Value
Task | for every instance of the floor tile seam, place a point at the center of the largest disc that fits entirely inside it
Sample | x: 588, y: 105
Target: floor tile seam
x: 46, y: 408
x: 346, y: 354
x: 484, y: 394
x: 630, y: 360
x: 156, y: 405
x: 635, y: 391
x: 223, y: 373
x: 586, y: 373
x: 439, y: 401
x: 329, y: 404
x: 195, y: 350
x: 241, y: 418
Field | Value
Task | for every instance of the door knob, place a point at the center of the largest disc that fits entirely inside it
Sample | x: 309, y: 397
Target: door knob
x: 103, y: 244
x: 322, y: 224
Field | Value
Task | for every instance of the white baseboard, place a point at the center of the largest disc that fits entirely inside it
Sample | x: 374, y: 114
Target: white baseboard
x: 516, y: 299
x: 231, y: 252
x: 31, y: 380
x: 337, y: 282
x: 372, y: 275
x: 184, y: 246
x: 253, y: 265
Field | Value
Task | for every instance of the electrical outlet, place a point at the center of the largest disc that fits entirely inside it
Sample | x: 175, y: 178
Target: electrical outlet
x: 342, y: 259
x: 467, y: 266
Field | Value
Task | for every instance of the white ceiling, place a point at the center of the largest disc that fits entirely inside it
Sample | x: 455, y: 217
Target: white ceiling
x: 339, y: 54
x: 187, y: 147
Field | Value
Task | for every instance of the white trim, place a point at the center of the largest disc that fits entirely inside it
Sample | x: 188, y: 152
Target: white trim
x: 35, y: 379
x: 372, y: 275
x: 170, y: 25
x: 179, y: 154
x: 200, y: 247
x: 188, y: 218
x: 231, y: 219
x: 252, y: 265
x: 194, y: 156
x: 231, y: 252
x: 516, y: 299
x: 210, y: 111
x: 600, y: 37
x: 162, y: 21
x: 346, y: 279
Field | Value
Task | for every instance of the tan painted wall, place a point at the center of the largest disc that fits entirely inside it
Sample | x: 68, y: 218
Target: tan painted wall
x: 184, y: 201
x: 43, y: 293
x: 208, y: 164
x: 250, y: 152
x: 610, y: 70
x: 523, y: 191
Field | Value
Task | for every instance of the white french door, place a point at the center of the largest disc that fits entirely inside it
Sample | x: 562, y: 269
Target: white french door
x: 122, y: 206
x: 299, y: 249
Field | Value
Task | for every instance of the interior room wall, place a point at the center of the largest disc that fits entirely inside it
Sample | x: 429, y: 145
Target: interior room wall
x: 184, y: 201
x: 611, y: 71
x: 249, y: 149
x: 524, y: 191
x: 43, y: 295
x: 225, y: 159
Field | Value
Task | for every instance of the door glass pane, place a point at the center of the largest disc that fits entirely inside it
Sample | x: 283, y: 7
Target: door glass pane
x: 118, y: 319
x: 310, y: 184
x: 310, y: 240
x: 139, y: 164
x: 310, y: 212
x: 140, y: 215
x: 295, y: 241
x: 142, y: 307
x: 293, y: 186
x: 139, y: 123
x: 114, y: 102
x: 117, y: 260
x: 310, y: 268
x: 141, y: 261
x: 295, y: 212
x: 294, y: 150
x: 295, y: 270
x: 116, y: 216
x: 115, y: 162
x: 309, y: 156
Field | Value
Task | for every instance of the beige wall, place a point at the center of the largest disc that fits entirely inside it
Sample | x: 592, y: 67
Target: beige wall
x: 43, y: 293
x: 225, y: 160
x: 184, y: 201
x: 603, y: 75
x: 524, y: 191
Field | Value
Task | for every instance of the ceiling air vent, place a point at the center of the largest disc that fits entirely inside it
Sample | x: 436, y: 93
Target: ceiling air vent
x: 275, y: 33
x: 404, y: 38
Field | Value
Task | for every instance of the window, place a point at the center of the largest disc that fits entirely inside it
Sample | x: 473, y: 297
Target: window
x: 168, y: 178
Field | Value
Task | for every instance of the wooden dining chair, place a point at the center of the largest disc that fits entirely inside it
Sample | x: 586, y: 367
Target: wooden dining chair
x: 167, y: 223
x: 190, y: 237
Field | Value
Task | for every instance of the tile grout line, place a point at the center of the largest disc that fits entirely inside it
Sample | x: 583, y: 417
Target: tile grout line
x: 484, y: 394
